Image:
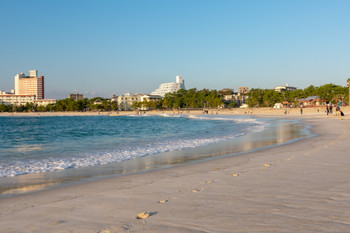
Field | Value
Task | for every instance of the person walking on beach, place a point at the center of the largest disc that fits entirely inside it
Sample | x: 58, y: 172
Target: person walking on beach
x: 301, y: 110
x: 331, y: 109
x: 327, y: 110
x: 337, y: 111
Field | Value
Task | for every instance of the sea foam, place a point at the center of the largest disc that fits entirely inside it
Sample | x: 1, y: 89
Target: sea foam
x: 133, y: 149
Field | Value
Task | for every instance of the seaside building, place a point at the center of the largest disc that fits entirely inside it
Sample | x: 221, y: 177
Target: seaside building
x: 240, y: 97
x: 17, y: 100
x: 114, y: 99
x: 44, y: 102
x: 312, y: 101
x: 98, y: 102
x: 76, y: 97
x: 28, y: 89
x: 170, y: 87
x: 126, y: 101
x: 285, y: 88
x: 150, y: 97
x: 30, y: 85
x: 229, y: 98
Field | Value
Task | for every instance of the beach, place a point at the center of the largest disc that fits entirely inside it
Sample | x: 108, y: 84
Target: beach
x: 265, y: 111
x: 297, y: 187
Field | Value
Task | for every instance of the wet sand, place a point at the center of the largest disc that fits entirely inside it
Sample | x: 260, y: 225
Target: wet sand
x: 298, y: 187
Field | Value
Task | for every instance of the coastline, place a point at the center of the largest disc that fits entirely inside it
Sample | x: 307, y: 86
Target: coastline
x: 275, y: 132
x: 302, y: 188
x: 259, y: 112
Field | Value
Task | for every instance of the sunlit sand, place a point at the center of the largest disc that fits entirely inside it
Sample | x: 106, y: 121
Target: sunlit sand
x: 298, y: 187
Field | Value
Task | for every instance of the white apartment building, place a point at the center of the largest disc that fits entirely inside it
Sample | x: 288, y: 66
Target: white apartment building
x: 170, y: 87
x: 126, y: 101
x: 16, y: 99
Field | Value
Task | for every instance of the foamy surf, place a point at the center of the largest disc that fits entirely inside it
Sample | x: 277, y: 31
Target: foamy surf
x: 133, y: 136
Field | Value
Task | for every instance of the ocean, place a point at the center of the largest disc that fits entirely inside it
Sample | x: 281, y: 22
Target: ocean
x: 41, y: 151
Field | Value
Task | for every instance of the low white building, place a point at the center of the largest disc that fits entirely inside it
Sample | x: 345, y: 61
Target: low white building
x: 150, y: 97
x: 126, y: 101
x: 170, y: 87
x: 16, y: 99
x: 285, y: 88
x: 45, y: 102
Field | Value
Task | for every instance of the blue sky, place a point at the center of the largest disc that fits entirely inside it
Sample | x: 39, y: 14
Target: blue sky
x: 101, y: 48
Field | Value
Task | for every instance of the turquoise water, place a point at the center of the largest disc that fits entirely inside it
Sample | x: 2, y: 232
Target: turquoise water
x: 37, y: 151
x: 44, y: 144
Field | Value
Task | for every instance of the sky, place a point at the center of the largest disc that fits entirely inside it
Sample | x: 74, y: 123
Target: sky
x: 107, y: 47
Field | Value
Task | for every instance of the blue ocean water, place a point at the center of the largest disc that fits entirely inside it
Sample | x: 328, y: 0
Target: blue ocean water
x: 45, y: 144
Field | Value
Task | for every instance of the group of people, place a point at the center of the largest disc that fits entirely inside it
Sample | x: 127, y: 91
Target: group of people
x: 338, y: 112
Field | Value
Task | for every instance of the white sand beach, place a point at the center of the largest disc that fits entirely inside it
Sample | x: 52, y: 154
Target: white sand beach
x: 312, y: 111
x: 298, y: 187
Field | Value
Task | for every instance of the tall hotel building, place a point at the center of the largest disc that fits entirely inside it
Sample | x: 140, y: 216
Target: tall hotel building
x: 30, y: 85
x: 170, y: 87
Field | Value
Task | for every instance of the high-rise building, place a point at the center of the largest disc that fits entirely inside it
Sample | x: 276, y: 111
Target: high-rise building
x: 76, y: 96
x: 170, y: 87
x: 30, y: 85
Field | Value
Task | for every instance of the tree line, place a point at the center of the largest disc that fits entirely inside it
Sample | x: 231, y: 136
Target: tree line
x: 268, y: 97
x: 194, y: 98
x: 64, y: 105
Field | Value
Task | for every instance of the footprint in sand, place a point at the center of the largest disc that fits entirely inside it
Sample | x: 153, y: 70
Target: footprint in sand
x: 196, y: 190
x: 143, y: 215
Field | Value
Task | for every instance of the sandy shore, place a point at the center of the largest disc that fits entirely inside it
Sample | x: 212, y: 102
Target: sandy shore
x: 299, y: 187
x: 316, y: 112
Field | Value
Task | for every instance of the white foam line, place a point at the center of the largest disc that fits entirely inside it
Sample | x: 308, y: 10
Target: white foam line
x: 86, y: 160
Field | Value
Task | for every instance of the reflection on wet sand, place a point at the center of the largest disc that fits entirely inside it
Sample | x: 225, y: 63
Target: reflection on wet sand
x: 279, y: 133
x: 28, y: 188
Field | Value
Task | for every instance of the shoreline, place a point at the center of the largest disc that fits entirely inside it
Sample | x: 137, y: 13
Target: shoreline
x: 275, y: 134
x: 301, y: 187
x: 264, y: 111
